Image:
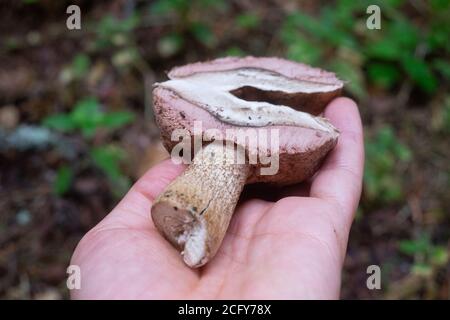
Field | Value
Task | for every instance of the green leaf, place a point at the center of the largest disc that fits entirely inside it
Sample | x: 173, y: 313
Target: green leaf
x: 421, y: 73
x: 386, y: 137
x: 308, y: 23
x: 394, y: 3
x: 304, y: 51
x: 112, y: 30
x: 248, y: 21
x: 341, y: 14
x: 108, y: 159
x: 60, y: 122
x: 411, y: 247
x: 80, y: 65
x: 383, y: 74
x: 114, y: 120
x: 110, y: 24
x: 87, y: 116
x: 64, y: 177
x: 422, y: 269
x: 391, y: 189
x: 383, y: 152
x: 403, y: 153
x: 86, y: 110
x: 384, y: 49
x: 403, y: 32
x: 400, y: 39
x: 324, y: 29
x: 440, y: 5
x: 437, y: 37
x: 203, y: 33
x: 235, y: 52
x: 88, y: 130
x: 164, y: 7
x: 443, y: 67
x: 439, y: 255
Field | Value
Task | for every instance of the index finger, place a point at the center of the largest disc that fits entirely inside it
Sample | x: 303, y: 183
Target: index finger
x: 340, y: 179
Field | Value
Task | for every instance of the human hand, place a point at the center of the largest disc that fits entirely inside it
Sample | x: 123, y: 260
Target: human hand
x: 292, y: 248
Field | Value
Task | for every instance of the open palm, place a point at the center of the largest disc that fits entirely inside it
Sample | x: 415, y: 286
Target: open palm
x: 292, y: 248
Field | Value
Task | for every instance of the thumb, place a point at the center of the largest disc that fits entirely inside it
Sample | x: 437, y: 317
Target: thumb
x: 134, y: 209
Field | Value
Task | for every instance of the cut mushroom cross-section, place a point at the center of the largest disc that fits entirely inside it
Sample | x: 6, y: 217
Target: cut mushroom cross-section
x: 218, y: 99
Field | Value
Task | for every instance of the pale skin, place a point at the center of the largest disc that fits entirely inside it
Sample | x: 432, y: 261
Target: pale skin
x: 292, y: 248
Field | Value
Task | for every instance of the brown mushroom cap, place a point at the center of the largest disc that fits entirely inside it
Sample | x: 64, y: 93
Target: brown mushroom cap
x: 301, y: 148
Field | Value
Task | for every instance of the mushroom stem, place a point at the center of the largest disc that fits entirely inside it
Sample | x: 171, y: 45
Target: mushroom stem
x: 194, y: 211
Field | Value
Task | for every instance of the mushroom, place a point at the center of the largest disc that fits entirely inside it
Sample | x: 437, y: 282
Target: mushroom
x: 278, y: 99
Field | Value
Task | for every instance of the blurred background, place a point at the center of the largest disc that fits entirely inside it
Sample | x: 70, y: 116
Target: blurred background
x: 76, y: 122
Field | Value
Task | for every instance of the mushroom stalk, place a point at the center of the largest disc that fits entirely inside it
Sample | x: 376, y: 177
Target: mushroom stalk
x: 194, y: 211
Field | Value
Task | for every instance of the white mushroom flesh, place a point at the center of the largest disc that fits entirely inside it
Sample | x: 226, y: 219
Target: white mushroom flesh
x: 212, y: 92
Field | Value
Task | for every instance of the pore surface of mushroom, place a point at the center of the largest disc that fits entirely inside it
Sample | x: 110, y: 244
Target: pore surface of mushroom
x: 233, y: 96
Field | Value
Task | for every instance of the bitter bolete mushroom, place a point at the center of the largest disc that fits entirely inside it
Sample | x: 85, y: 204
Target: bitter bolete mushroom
x: 273, y: 97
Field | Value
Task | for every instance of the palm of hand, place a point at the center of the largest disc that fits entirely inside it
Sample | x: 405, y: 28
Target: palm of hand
x: 291, y: 248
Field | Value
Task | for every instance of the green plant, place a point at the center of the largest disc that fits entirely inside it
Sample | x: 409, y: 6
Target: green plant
x: 234, y: 51
x: 399, y: 51
x: 77, y: 69
x: 87, y: 116
x: 108, y: 159
x: 186, y: 18
x: 383, y: 74
x: 80, y: 65
x: 384, y: 152
x: 248, y: 20
x: 298, y: 47
x: 183, y: 8
x: 166, y: 7
x: 203, y: 33
x: 63, y: 180
x: 114, y: 31
x: 443, y: 67
x: 426, y: 254
x: 310, y: 40
x: 116, y: 37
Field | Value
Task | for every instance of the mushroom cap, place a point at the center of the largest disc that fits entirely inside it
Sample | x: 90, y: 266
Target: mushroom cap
x: 301, y: 148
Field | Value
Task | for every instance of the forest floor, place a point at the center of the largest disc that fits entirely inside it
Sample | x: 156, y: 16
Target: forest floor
x: 55, y: 186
